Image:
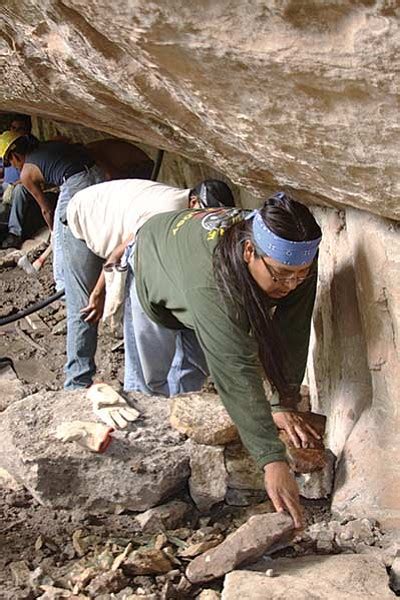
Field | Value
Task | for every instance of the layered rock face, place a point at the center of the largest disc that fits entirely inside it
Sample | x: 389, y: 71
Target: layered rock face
x: 354, y: 363
x: 303, y: 95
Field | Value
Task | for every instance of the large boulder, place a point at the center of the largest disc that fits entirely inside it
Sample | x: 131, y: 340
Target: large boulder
x: 140, y: 468
x: 341, y: 577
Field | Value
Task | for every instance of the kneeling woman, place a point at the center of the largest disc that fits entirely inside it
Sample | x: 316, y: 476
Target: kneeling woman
x: 231, y: 293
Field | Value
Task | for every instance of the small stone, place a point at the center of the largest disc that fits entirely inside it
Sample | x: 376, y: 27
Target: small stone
x: 203, y: 418
x: 165, y: 516
x: 318, y: 484
x: 121, y: 557
x: 60, y: 328
x: 108, y: 582
x: 174, y: 574
x: 147, y: 562
x: 196, y: 549
x: 80, y: 578
x: 324, y: 546
x: 20, y: 573
x: 184, y: 586
x: 209, y: 595
x: 160, y: 541
x: 168, y: 591
x: 270, y: 573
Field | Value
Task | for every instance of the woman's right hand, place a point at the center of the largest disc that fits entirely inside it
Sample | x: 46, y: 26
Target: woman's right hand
x: 282, y: 490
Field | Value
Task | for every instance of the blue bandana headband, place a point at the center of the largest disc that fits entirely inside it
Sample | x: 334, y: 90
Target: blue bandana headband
x: 284, y: 251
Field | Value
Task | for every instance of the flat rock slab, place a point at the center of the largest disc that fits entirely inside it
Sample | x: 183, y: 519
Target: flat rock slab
x: 204, y: 419
x: 340, y: 577
x: 246, y: 544
x: 11, y: 389
x: 141, y: 467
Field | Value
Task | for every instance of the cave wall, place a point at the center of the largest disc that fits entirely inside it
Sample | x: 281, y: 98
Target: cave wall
x: 296, y: 93
x: 353, y: 369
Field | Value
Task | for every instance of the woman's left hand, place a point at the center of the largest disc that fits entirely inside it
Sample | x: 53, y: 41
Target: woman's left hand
x: 301, y: 434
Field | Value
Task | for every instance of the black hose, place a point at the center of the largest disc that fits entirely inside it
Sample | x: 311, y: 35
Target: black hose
x: 157, y: 165
x: 31, y: 309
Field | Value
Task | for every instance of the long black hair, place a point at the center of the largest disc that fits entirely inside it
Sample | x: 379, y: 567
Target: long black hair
x: 290, y: 220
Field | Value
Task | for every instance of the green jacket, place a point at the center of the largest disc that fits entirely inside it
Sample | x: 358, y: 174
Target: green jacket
x: 176, y: 288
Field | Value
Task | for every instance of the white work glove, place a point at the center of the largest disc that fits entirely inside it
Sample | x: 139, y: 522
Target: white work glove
x: 93, y: 436
x: 110, y: 407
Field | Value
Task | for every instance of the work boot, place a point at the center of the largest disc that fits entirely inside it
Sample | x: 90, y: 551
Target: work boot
x: 11, y: 241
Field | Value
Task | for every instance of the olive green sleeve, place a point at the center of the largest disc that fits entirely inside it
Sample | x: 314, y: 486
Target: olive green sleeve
x: 232, y: 359
x: 293, y: 316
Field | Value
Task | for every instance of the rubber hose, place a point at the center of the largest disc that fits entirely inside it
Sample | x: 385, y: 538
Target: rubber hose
x: 31, y: 309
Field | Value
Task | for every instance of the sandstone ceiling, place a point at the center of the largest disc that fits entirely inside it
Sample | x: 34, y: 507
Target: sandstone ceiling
x: 296, y: 93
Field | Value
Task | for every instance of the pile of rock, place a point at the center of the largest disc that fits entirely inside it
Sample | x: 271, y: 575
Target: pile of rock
x: 221, y: 469
x: 347, y: 535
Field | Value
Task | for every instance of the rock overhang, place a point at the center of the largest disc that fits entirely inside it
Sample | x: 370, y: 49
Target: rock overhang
x: 302, y: 97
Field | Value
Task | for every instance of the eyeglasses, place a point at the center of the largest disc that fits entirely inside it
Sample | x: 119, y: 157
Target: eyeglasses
x: 277, y: 279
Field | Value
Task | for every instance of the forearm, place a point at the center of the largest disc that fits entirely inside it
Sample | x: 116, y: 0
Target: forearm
x: 99, y: 288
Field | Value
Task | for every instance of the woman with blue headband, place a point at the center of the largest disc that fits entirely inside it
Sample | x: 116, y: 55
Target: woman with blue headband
x: 241, y: 285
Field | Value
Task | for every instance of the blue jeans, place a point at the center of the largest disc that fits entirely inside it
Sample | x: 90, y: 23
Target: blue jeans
x: 71, y: 186
x: 81, y: 271
x: 25, y: 215
x: 158, y: 361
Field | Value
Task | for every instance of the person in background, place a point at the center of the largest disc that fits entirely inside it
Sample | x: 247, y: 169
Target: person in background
x: 100, y: 222
x: 242, y: 285
x: 67, y: 166
x: 19, y: 211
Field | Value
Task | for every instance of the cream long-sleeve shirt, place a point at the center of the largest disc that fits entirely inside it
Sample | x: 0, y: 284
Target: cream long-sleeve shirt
x: 106, y: 214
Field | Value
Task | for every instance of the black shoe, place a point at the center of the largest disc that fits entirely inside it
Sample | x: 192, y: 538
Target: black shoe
x: 11, y: 241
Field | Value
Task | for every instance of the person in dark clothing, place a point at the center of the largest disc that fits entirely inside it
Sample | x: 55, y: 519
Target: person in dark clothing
x: 20, y: 210
x: 67, y: 166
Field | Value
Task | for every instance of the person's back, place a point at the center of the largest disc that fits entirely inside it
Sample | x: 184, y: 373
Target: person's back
x: 174, y: 262
x: 57, y: 161
x: 105, y: 214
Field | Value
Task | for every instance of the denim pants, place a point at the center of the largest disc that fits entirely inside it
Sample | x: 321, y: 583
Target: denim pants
x: 25, y: 215
x: 71, y: 186
x: 158, y: 361
x: 82, y: 269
